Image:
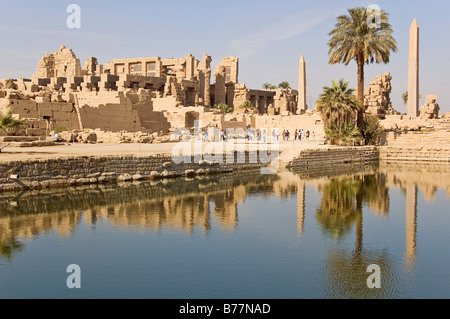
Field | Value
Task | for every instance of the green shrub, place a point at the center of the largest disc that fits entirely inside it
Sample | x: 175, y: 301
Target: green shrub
x: 371, y: 129
x: 345, y: 135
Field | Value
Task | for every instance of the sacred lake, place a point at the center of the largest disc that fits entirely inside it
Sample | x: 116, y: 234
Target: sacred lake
x: 292, y: 235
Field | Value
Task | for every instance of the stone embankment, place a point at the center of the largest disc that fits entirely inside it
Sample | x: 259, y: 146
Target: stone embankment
x: 317, y: 158
x: 80, y: 170
x: 414, y: 154
x: 336, y: 157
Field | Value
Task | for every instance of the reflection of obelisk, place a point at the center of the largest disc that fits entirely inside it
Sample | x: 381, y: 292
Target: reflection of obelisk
x: 301, y: 86
x: 300, y: 207
x: 411, y: 224
x: 413, y: 71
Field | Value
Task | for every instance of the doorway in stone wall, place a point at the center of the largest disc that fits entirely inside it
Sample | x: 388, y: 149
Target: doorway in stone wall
x: 190, y: 97
x: 190, y: 118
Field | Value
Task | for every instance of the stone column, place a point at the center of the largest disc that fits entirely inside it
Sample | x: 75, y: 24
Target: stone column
x: 413, y: 71
x: 220, y: 91
x: 302, y: 86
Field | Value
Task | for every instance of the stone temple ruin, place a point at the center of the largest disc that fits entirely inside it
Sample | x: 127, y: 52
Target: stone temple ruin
x: 430, y: 110
x: 159, y: 95
x: 377, y: 99
x: 150, y: 94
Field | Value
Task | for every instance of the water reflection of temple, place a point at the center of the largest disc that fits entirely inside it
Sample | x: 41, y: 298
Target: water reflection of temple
x: 170, y: 204
x: 204, y: 203
x: 412, y: 178
x: 370, y: 185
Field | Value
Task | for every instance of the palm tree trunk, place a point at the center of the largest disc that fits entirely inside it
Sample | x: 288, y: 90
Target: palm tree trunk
x: 360, y: 62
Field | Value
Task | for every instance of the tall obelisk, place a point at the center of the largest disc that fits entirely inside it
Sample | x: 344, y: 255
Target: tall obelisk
x: 413, y: 71
x: 302, y: 86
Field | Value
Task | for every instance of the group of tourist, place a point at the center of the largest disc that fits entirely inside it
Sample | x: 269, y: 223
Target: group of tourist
x: 298, y: 135
x: 259, y: 135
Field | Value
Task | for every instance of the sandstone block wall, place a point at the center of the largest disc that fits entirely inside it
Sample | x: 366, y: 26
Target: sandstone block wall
x: 89, y: 170
x: 416, y: 154
x: 313, y: 158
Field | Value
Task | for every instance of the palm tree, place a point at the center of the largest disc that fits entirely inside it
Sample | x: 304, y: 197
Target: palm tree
x: 284, y: 85
x: 354, y: 39
x: 223, y: 108
x: 405, y: 97
x: 338, y: 104
x: 247, y: 105
x: 268, y: 86
x: 8, y: 123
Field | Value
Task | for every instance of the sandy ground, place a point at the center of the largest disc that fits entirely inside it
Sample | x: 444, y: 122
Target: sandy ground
x: 288, y: 150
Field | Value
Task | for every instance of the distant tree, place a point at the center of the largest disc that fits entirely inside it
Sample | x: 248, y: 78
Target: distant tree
x: 405, y: 97
x: 284, y: 85
x: 223, y: 107
x: 268, y: 86
x: 247, y: 105
x: 8, y: 123
x: 353, y: 38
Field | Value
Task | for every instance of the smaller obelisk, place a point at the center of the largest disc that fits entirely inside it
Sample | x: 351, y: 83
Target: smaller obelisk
x: 413, y: 71
x: 302, y: 86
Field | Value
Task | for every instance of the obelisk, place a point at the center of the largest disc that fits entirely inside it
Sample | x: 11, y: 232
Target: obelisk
x: 302, y: 86
x: 413, y: 71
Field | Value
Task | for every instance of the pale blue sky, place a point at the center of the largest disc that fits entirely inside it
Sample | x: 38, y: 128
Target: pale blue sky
x: 267, y: 36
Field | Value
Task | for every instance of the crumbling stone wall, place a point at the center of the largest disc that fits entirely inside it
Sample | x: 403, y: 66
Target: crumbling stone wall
x: 63, y: 63
x: 377, y: 99
x: 430, y: 110
x: 108, y: 111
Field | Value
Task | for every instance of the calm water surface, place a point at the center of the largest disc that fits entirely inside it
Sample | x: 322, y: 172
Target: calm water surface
x: 294, y: 235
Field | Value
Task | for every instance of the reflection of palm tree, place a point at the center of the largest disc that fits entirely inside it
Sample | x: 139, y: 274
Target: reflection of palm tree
x: 337, y: 211
x: 341, y: 207
x: 347, y: 274
x: 9, y: 247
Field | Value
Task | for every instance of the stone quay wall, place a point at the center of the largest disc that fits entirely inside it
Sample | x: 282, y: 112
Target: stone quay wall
x: 415, y: 154
x: 336, y: 157
x: 319, y: 158
x: 71, y: 171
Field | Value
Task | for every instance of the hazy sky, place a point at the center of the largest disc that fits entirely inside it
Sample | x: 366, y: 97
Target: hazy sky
x: 268, y: 37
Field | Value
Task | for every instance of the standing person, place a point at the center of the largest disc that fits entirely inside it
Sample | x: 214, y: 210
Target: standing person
x: 264, y: 135
x: 303, y: 134
x: 307, y: 135
x: 287, y: 135
x: 277, y: 132
x: 205, y: 136
x: 295, y: 134
x: 314, y: 136
x: 283, y: 135
x: 300, y: 135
